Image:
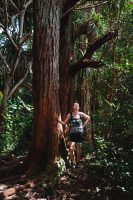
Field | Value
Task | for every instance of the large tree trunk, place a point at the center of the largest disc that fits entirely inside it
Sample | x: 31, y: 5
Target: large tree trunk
x: 66, y: 78
x: 45, y: 81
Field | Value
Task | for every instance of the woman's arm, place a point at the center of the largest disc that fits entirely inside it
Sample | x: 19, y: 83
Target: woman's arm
x: 65, y: 121
x: 86, y: 118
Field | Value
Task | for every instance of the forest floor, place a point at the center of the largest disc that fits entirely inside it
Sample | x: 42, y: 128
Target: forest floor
x: 84, y: 183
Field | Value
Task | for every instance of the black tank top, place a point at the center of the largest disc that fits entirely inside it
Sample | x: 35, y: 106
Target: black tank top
x: 76, y: 124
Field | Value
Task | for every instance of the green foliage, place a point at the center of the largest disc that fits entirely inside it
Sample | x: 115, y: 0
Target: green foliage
x: 17, y: 129
x: 116, y: 163
x: 112, y: 101
x: 1, y: 96
x: 54, y: 171
x: 115, y: 112
x: 112, y: 86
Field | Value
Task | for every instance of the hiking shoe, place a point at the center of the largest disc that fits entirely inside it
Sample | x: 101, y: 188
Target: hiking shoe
x: 77, y: 165
x: 73, y: 166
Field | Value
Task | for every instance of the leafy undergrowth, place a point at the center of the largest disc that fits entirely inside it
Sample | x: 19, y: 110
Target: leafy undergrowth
x: 105, y: 173
x: 94, y: 181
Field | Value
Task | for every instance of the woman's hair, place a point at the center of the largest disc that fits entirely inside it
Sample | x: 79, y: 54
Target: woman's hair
x: 75, y: 104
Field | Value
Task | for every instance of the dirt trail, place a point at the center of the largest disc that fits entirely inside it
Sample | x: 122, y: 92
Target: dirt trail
x: 84, y: 183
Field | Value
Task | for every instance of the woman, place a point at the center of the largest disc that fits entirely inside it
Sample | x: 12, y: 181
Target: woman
x: 75, y: 119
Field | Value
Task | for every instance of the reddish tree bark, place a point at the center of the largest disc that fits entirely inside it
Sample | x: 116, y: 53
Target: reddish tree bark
x: 45, y: 81
x: 66, y: 77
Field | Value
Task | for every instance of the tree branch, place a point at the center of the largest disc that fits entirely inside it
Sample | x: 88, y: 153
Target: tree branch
x: 74, y: 68
x: 24, y: 105
x: 5, y: 14
x: 92, y: 5
x: 10, y: 38
x: 84, y: 28
x: 17, y: 85
x: 5, y: 26
x: 4, y: 61
x: 99, y: 42
x: 15, y: 63
x: 86, y: 60
x: 69, y: 5
x: 14, y: 5
x: 28, y: 3
x: 22, y: 14
x: 24, y: 39
x: 1, y: 25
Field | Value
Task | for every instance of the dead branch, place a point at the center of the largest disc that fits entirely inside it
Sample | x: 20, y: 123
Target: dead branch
x: 86, y: 64
x: 99, y: 42
x: 86, y: 60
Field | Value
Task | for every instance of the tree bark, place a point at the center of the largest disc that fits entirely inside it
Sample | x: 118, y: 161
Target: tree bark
x: 48, y: 73
x: 45, y: 81
x: 83, y: 98
x: 66, y: 78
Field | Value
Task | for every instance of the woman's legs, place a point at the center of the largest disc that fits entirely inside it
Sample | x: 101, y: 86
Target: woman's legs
x: 78, y: 145
x: 72, y: 152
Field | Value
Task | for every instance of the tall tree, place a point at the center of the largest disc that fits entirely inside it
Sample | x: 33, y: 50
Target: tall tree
x: 50, y: 67
x: 45, y: 81
x: 48, y: 73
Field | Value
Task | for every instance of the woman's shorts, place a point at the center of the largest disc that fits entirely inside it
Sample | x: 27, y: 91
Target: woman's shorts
x: 76, y: 137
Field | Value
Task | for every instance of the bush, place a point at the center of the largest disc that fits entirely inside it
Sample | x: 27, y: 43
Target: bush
x: 116, y: 163
x: 17, y: 127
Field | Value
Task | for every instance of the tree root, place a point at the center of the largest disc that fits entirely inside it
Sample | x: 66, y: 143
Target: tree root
x: 14, y: 168
x: 29, y: 184
x: 14, y: 180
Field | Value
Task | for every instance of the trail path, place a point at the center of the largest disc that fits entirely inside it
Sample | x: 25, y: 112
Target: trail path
x: 85, y: 183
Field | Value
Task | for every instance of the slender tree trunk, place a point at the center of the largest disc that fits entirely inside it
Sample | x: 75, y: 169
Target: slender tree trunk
x: 45, y: 81
x: 83, y: 98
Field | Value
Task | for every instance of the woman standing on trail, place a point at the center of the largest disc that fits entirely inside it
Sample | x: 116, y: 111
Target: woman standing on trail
x: 75, y: 119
